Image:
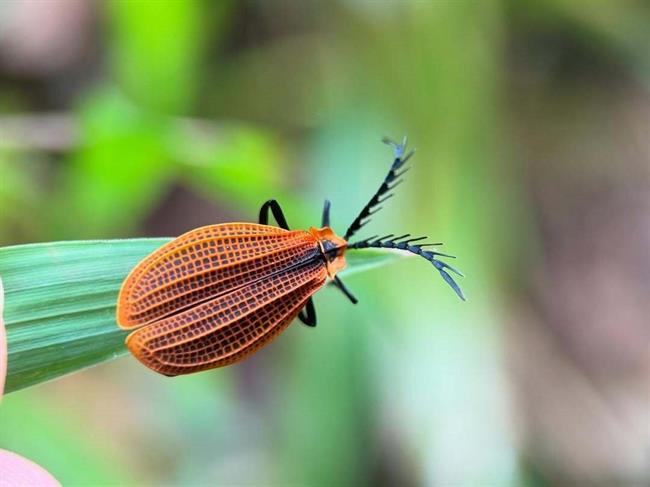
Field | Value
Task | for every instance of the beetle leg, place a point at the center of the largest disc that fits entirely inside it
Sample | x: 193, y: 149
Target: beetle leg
x: 338, y: 283
x: 308, y: 314
x: 275, y: 208
x: 325, y: 222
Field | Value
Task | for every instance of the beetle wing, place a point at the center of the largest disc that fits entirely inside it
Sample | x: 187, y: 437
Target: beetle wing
x: 205, y: 263
x: 230, y: 327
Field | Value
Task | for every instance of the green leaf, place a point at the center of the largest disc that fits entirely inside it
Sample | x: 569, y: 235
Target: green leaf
x: 60, y: 305
x: 367, y: 259
x: 60, y: 302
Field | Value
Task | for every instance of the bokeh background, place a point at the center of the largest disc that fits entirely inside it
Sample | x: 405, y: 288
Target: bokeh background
x: 531, y: 120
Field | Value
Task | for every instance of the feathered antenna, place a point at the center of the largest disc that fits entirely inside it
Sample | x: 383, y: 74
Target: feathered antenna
x: 403, y: 242
x: 406, y: 244
x: 392, y: 179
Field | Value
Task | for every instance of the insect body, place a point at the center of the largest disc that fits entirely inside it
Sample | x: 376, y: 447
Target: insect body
x: 217, y: 294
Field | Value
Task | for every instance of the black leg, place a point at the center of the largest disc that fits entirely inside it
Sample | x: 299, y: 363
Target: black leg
x: 325, y: 222
x: 274, y: 206
x: 338, y: 283
x: 308, y: 314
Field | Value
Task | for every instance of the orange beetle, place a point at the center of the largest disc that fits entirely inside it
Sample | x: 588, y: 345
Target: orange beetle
x: 217, y: 294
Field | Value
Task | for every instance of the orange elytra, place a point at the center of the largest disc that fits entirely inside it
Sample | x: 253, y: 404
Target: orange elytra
x: 217, y: 294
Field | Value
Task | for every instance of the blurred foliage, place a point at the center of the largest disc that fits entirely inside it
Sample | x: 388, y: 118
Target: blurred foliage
x: 119, y: 172
x: 129, y: 157
x: 56, y: 439
x: 155, y: 52
x: 214, y: 107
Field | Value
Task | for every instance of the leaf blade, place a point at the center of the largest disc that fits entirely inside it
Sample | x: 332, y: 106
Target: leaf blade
x: 60, y: 305
x: 60, y: 302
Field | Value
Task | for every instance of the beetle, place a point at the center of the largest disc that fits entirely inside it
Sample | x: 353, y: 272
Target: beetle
x: 217, y: 294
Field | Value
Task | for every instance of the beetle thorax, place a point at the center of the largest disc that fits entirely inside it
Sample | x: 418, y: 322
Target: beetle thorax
x: 332, y: 247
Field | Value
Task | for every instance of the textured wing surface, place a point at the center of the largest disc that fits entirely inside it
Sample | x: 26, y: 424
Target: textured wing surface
x: 205, y: 263
x: 227, y: 328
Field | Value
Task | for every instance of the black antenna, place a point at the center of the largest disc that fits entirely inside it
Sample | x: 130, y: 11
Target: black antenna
x: 398, y: 243
x: 392, y: 179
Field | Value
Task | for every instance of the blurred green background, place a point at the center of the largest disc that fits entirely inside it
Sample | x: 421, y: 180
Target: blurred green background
x: 531, y: 120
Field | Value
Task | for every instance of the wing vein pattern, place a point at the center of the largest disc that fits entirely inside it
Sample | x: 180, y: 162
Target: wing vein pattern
x: 205, y: 263
x: 227, y: 328
x: 217, y: 294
